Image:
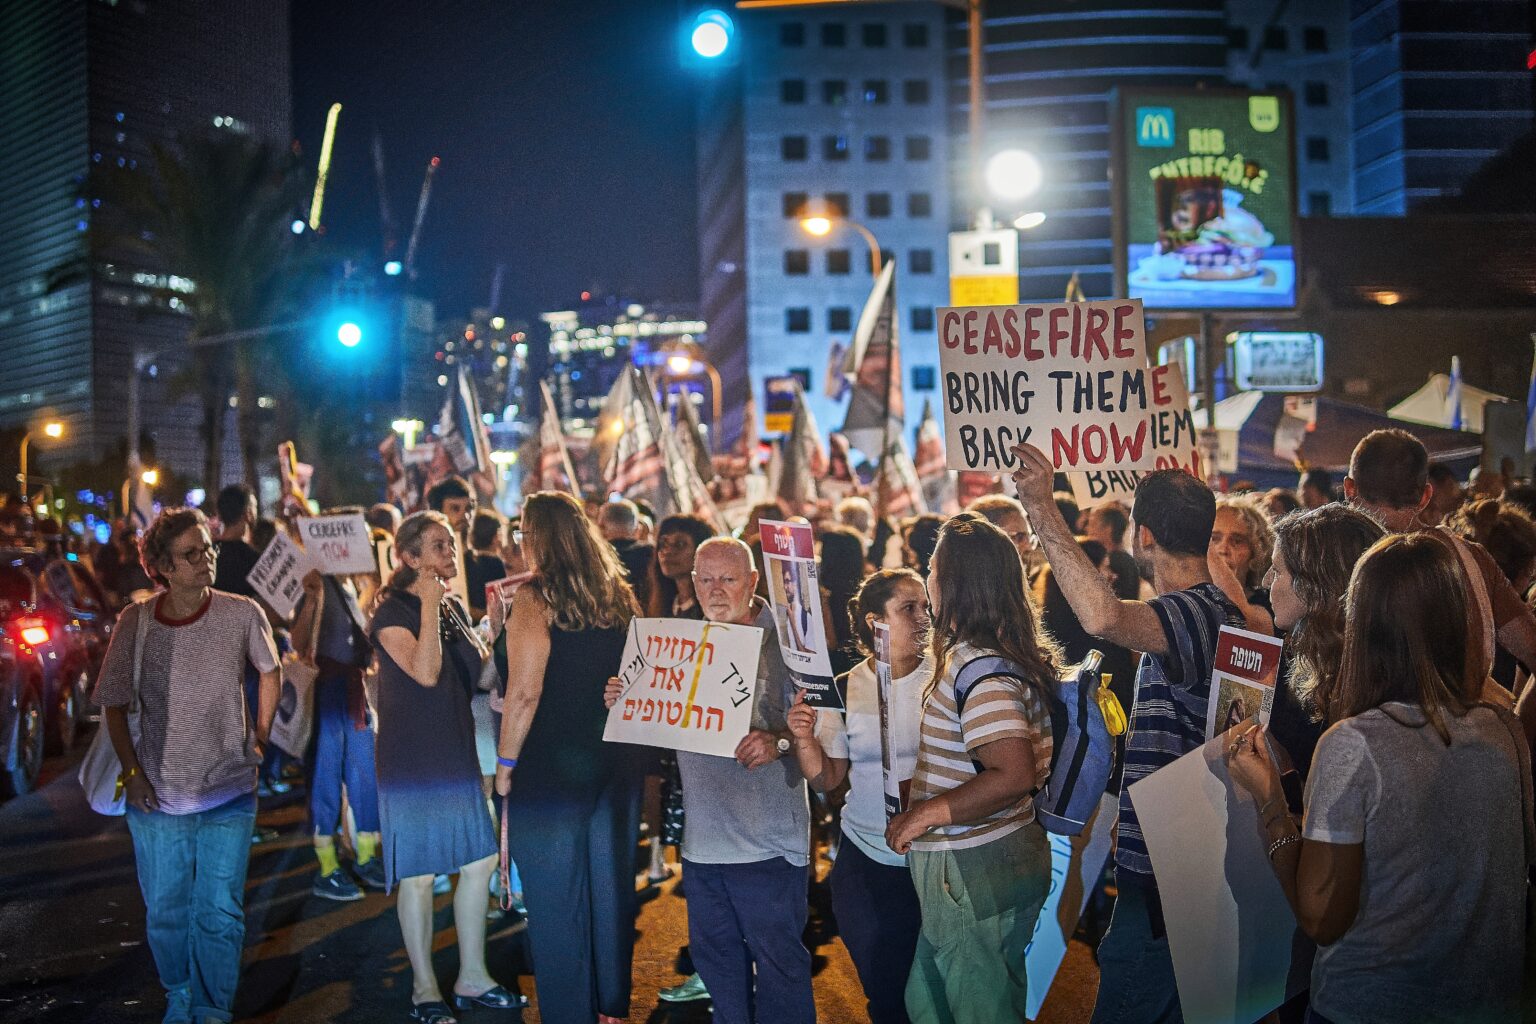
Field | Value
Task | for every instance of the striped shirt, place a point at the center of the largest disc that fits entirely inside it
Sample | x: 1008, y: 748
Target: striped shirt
x: 195, y: 743
x: 994, y: 708
x: 1172, y: 690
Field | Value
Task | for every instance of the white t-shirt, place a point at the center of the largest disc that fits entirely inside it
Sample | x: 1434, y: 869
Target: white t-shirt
x: 858, y: 740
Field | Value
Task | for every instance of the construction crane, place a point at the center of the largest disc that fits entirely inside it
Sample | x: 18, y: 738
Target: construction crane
x: 386, y: 218
x: 421, y: 214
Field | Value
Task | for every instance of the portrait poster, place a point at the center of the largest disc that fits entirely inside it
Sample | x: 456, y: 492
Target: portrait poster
x: 1243, y: 681
x: 1077, y: 863
x: 794, y: 590
x: 897, y: 778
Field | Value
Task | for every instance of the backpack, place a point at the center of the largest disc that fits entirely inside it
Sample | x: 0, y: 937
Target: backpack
x: 1083, y: 745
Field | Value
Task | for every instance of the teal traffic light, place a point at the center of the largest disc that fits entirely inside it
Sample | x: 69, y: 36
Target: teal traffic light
x: 708, y: 40
x: 349, y: 333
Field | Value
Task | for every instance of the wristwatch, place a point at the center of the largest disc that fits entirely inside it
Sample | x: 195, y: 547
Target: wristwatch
x: 783, y: 745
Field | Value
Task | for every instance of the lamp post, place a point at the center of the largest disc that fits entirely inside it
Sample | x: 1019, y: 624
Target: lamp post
x: 53, y: 429
x: 822, y: 226
x: 682, y: 359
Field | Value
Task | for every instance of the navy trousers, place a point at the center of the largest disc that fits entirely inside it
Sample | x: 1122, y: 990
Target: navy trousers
x: 742, y: 916
x: 878, y: 917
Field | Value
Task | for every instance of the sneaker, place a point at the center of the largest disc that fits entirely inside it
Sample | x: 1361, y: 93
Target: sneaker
x: 371, y: 873
x: 272, y: 787
x: 442, y: 885
x: 687, y: 992
x: 263, y: 835
x: 336, y: 886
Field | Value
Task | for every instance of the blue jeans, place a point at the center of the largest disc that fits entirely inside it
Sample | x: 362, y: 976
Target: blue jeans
x: 1136, y: 982
x: 342, y: 753
x: 192, y: 873
x: 742, y: 916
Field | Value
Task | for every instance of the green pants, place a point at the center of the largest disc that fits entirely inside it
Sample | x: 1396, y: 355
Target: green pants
x: 979, y: 910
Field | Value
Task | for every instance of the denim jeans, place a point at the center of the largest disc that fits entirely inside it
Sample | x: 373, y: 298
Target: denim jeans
x: 192, y: 873
x: 342, y: 753
x: 1136, y: 982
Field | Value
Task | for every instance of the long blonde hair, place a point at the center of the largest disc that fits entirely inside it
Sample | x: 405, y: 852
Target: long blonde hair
x: 578, y: 572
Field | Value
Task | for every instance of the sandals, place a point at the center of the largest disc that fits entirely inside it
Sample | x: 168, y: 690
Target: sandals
x: 433, y: 1013
x: 495, y: 997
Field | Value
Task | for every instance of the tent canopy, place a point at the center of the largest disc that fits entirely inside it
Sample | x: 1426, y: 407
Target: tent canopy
x: 1428, y: 405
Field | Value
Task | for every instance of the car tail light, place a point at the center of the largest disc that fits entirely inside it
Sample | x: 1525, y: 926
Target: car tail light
x: 33, y: 633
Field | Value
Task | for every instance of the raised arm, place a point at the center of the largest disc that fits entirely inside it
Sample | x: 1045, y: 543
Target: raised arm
x: 1131, y: 624
x: 421, y: 655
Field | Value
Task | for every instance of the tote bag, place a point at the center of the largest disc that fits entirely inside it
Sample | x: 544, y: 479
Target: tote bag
x: 101, y: 769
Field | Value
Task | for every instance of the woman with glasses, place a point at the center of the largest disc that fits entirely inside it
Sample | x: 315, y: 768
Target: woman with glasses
x: 190, y: 775
x: 575, y: 799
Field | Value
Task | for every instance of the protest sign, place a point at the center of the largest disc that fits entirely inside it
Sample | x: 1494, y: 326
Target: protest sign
x: 1068, y: 378
x: 1077, y: 862
x: 1236, y: 952
x: 278, y: 575
x: 688, y: 685
x: 897, y: 778
x: 1243, y: 682
x: 338, y: 545
x: 789, y: 559
x: 384, y: 555
x: 1171, y: 435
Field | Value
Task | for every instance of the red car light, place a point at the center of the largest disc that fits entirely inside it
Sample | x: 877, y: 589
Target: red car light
x: 34, y: 635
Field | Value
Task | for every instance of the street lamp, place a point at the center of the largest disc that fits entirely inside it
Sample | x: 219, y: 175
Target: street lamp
x: 821, y: 226
x: 151, y: 477
x: 1025, y: 221
x: 1014, y: 174
x: 52, y: 429
x: 686, y: 359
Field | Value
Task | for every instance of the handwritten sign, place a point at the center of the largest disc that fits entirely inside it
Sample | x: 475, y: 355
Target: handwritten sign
x: 278, y: 575
x: 1171, y: 433
x: 1243, y: 681
x: 338, y: 545
x: 789, y: 560
x: 688, y: 685
x: 1069, y: 378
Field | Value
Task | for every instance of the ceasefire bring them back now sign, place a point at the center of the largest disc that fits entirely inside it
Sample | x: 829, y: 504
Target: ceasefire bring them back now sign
x: 1069, y: 378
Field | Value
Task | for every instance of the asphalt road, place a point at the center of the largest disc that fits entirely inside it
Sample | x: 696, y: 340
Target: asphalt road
x: 72, y: 944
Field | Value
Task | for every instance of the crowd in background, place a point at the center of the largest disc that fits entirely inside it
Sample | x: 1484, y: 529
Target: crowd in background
x: 1392, y: 783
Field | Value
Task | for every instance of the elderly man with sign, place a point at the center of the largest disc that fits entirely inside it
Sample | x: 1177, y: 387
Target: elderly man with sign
x: 747, y: 845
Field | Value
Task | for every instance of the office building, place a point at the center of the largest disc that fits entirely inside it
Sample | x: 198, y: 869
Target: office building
x: 838, y: 112
x: 86, y: 83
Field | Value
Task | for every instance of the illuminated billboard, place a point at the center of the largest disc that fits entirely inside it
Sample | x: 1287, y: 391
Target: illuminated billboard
x: 1205, y: 199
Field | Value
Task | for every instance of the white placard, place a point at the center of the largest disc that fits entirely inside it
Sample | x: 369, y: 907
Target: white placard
x: 278, y: 575
x: 1173, y: 437
x: 1236, y: 953
x: 338, y: 545
x: 1069, y: 378
x: 1077, y: 862
x: 688, y: 685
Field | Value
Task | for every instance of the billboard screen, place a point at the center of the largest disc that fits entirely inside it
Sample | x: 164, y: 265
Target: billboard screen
x: 1205, y: 199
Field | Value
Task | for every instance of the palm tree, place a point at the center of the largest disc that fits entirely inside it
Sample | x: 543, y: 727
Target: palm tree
x: 217, y: 211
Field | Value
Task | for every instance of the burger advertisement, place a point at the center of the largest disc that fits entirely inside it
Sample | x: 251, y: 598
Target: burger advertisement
x: 1205, y: 199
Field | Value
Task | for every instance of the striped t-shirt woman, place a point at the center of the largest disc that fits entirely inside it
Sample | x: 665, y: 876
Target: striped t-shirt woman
x: 994, y: 708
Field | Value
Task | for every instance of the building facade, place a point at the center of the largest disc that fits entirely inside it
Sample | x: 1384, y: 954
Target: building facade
x: 85, y: 83
x: 838, y: 113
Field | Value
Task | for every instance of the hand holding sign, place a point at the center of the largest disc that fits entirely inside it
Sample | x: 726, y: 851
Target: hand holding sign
x: 338, y: 545
x: 802, y: 717
x: 1035, y: 476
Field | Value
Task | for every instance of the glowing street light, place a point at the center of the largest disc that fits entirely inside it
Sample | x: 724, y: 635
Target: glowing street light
x: 818, y: 226
x: 349, y: 334
x: 821, y: 226
x: 151, y: 477
x: 1014, y: 174
x: 680, y: 364
x: 711, y: 36
x: 54, y: 430
x: 1025, y: 221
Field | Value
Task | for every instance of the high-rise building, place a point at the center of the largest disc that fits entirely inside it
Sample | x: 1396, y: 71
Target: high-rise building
x: 1439, y: 88
x: 99, y: 82
x: 1302, y: 46
x: 833, y: 112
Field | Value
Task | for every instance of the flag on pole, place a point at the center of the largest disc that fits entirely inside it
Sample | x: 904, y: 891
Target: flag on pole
x: 937, y: 479
x: 690, y: 436
x: 802, y: 459
x: 1453, y: 395
x: 1530, y: 405
x: 138, y: 500
x: 874, y: 366
x: 555, y: 472
x: 897, y: 490
x: 636, y: 469
x: 462, y: 433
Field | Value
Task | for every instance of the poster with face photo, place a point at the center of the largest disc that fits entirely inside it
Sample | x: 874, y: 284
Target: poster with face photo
x: 794, y: 589
x: 1243, y: 682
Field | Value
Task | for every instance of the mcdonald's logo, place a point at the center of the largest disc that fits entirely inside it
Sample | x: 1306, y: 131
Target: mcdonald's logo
x: 1154, y: 126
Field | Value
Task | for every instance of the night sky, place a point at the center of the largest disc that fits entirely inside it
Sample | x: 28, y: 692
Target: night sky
x: 565, y: 131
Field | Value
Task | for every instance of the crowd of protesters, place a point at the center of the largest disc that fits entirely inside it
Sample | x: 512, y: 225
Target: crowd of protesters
x: 1391, y: 784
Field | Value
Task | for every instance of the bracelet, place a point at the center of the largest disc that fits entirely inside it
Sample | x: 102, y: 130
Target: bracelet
x: 1285, y: 840
x: 506, y: 762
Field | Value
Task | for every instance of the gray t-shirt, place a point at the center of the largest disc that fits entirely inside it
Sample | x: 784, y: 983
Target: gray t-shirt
x: 736, y: 816
x: 1440, y: 928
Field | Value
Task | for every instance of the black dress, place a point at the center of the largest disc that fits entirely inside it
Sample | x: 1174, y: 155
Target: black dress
x: 431, y: 808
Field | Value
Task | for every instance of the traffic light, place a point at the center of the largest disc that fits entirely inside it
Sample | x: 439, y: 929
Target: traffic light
x: 357, y: 340
x: 349, y: 333
x: 708, y: 40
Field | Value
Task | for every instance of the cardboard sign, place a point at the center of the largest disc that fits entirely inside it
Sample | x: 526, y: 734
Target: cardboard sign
x: 1236, y: 952
x: 897, y: 782
x: 789, y: 559
x: 1069, y: 378
x: 1243, y: 682
x: 1077, y: 862
x: 1172, y: 434
x: 384, y: 556
x: 688, y: 685
x: 278, y: 575
x: 338, y: 545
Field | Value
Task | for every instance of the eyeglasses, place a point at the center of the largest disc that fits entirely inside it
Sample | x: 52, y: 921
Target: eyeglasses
x: 201, y: 553
x: 709, y: 582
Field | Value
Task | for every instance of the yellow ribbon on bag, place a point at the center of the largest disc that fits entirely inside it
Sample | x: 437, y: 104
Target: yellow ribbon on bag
x: 1109, y: 706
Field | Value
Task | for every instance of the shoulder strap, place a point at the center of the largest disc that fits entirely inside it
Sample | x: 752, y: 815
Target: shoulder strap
x: 1478, y: 588
x: 145, y: 611
x: 1523, y: 769
x: 980, y: 669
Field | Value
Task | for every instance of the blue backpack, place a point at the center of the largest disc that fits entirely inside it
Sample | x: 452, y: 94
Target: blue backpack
x: 1083, y: 749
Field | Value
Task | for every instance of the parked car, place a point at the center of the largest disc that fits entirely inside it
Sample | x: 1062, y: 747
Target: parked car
x: 22, y: 721
x: 53, y: 607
